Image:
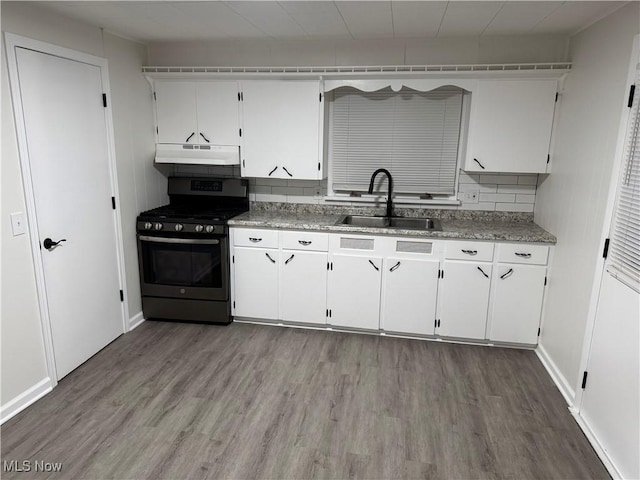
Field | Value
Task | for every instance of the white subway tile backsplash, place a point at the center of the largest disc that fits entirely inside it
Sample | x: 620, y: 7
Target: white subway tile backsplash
x: 467, y: 178
x: 528, y: 179
x: 500, y: 179
x: 525, y: 198
x: 486, y: 206
x: 514, y: 207
x: 287, y: 190
x: 521, y: 189
x: 498, y: 197
x: 477, y: 187
x: 272, y: 182
x: 269, y: 197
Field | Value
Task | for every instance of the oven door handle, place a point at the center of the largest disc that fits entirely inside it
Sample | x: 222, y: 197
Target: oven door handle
x: 189, y: 241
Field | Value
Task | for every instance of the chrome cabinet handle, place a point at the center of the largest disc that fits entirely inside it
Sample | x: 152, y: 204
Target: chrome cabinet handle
x: 274, y: 169
x: 478, y: 162
x: 254, y: 239
x: 523, y: 255
x: 395, y: 267
x: 205, y: 138
x: 470, y: 252
x: 306, y: 243
x: 507, y: 275
x: 189, y: 137
x: 269, y: 257
x: 285, y: 169
x: 289, y: 259
x: 483, y: 272
x: 374, y: 266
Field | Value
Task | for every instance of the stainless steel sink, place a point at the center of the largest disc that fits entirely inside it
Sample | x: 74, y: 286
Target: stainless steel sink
x: 405, y: 223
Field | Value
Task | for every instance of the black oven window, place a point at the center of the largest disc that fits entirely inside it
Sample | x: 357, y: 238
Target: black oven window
x: 183, y: 265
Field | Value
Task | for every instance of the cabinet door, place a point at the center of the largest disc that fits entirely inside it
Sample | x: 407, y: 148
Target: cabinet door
x: 176, y: 112
x: 517, y: 303
x: 303, y: 286
x: 354, y: 291
x: 410, y: 291
x: 510, y: 125
x: 218, y: 113
x: 256, y: 282
x: 465, y: 299
x: 281, y: 129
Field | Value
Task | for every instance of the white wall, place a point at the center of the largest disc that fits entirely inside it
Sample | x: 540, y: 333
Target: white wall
x: 571, y: 201
x: 140, y: 186
x: 455, y: 50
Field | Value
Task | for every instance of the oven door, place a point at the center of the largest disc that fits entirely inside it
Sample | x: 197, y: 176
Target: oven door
x: 184, y: 267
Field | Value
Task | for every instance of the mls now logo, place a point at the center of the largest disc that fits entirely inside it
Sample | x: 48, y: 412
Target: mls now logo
x: 29, y: 466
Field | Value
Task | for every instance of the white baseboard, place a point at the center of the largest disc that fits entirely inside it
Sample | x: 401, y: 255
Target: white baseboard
x: 136, y: 321
x: 597, y: 446
x: 561, y: 382
x: 26, y: 398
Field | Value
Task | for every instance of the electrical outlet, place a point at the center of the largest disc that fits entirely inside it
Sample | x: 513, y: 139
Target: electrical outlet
x: 470, y: 197
x: 318, y: 192
x: 18, y: 223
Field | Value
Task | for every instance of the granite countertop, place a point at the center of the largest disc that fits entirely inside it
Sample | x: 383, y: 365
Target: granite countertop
x: 498, y: 227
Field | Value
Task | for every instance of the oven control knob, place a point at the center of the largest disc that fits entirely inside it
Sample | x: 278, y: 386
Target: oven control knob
x: 148, y: 226
x: 179, y: 227
x: 199, y: 228
x: 158, y: 226
x: 209, y: 228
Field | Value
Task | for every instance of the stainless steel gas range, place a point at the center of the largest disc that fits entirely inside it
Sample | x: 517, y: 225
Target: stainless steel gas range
x: 183, y: 250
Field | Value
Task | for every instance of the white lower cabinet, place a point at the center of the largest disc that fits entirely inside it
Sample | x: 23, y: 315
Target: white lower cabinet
x: 517, y: 303
x: 354, y: 291
x: 410, y: 292
x: 464, y: 299
x: 256, y: 282
x: 303, y: 286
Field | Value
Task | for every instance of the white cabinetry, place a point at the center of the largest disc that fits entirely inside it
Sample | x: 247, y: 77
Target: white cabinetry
x: 465, y: 290
x: 303, y: 277
x: 354, y: 291
x: 518, y: 293
x: 282, y: 129
x: 256, y: 282
x: 203, y: 113
x: 510, y: 125
x: 410, y: 291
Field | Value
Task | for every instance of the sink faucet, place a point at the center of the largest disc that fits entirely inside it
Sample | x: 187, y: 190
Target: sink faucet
x: 389, y: 200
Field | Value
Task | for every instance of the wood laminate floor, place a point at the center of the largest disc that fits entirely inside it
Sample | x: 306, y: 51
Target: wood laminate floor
x: 246, y: 401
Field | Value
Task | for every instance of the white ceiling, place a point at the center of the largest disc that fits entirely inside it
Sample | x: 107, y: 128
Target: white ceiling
x: 149, y: 21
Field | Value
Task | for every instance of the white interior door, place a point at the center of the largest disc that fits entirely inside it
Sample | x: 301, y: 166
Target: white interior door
x: 68, y: 150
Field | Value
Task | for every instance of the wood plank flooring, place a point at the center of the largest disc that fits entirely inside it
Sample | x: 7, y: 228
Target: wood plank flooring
x: 184, y: 401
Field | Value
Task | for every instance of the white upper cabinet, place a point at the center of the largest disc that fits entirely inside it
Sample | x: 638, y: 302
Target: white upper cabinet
x: 510, y: 125
x: 202, y: 113
x: 282, y: 129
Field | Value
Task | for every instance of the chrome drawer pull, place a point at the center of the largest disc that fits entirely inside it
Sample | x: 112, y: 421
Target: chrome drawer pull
x: 304, y: 242
x: 470, y: 252
x: 255, y: 240
x: 523, y: 255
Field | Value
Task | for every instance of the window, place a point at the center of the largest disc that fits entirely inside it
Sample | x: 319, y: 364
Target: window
x: 624, y: 252
x: 414, y: 135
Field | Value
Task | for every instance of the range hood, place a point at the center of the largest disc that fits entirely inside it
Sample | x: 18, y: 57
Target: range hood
x: 198, y: 154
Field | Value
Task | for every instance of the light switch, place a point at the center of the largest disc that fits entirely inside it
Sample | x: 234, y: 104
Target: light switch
x: 18, y: 223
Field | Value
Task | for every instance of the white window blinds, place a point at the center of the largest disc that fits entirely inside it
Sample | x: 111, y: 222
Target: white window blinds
x: 624, y: 251
x: 412, y: 134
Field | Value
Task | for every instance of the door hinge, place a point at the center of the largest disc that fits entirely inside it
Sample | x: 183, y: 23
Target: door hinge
x: 548, y: 158
x: 438, y: 323
x: 240, y: 130
x: 113, y: 202
x: 584, y: 380
x: 234, y: 304
x: 104, y: 100
x: 605, y: 252
x: 556, y: 96
x: 243, y: 163
x: 538, y: 332
x: 238, y: 96
x: 154, y: 96
x: 320, y: 97
x: 632, y: 91
x: 329, y: 313
x: 157, y: 131
x: 326, y: 313
x: 233, y: 259
x: 121, y: 296
x: 442, y: 274
x: 545, y: 281
x: 327, y: 265
x: 318, y: 166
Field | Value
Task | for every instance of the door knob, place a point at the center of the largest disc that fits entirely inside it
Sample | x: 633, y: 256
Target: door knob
x: 49, y: 244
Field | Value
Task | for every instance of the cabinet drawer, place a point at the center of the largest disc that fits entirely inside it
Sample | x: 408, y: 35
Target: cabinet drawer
x: 315, y: 241
x: 476, y: 251
x: 523, y: 253
x: 250, y: 237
